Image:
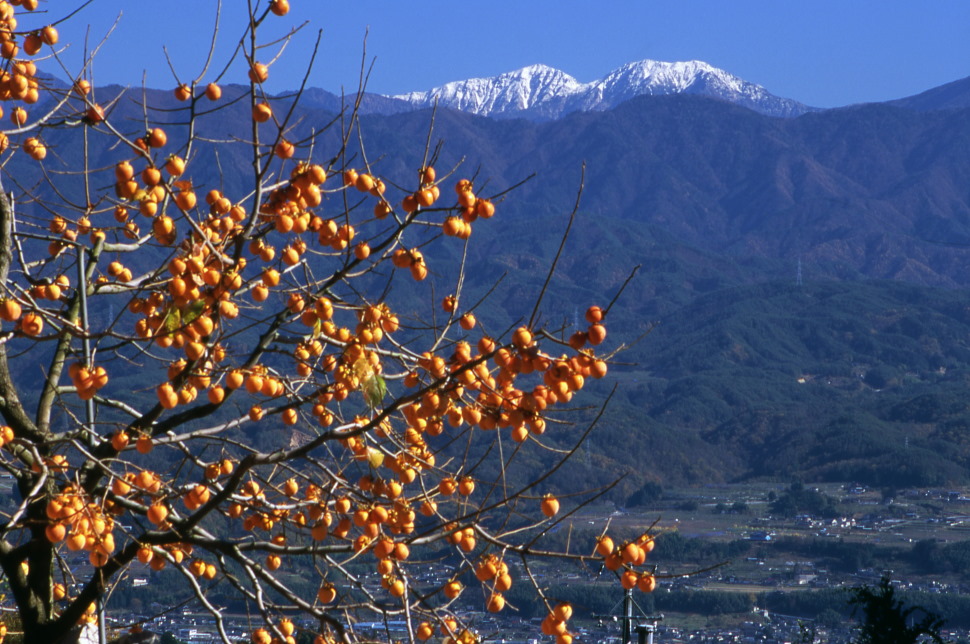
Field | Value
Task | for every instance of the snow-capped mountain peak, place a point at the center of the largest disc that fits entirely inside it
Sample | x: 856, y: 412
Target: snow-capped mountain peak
x: 673, y: 77
x: 543, y: 92
x: 509, y: 92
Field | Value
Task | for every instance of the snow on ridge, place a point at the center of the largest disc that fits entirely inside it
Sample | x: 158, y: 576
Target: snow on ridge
x: 546, y: 92
x: 657, y: 77
x: 511, y: 91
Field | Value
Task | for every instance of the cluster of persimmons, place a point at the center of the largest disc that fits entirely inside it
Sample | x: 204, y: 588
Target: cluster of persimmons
x: 196, y: 271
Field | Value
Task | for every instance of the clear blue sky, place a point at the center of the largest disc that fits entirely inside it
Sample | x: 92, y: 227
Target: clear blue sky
x: 823, y: 52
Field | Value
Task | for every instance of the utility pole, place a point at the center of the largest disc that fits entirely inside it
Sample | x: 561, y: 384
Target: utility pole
x: 627, y: 637
x: 646, y: 631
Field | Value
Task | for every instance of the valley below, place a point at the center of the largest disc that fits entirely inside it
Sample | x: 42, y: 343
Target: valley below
x: 756, y: 562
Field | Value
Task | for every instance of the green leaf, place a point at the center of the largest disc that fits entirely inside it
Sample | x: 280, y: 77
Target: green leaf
x: 193, y: 310
x: 374, y: 389
x: 172, y: 321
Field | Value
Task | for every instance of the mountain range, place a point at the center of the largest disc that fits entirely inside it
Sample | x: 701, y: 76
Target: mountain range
x: 805, y: 272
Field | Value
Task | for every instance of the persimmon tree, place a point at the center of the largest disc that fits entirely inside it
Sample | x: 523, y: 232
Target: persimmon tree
x: 217, y: 382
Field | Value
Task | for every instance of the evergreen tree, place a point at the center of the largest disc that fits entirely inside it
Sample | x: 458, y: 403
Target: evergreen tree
x: 886, y: 618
